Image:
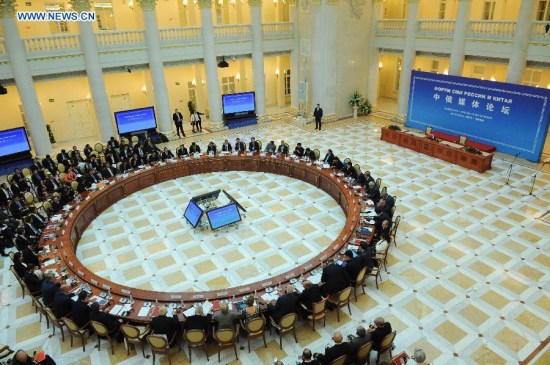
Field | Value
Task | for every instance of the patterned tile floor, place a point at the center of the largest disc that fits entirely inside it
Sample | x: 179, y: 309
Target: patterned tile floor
x: 142, y: 241
x: 467, y: 282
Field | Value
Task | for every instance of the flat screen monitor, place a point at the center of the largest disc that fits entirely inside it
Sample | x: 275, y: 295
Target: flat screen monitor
x: 193, y: 214
x: 128, y: 121
x: 223, y: 216
x: 213, y: 195
x: 13, y: 143
x: 239, y: 104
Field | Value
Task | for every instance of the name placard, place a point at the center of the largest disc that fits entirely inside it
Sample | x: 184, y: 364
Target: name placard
x: 266, y: 284
x: 93, y: 281
x: 198, y: 296
x: 175, y: 296
x: 80, y: 273
x: 242, y: 290
x: 126, y: 291
x: 222, y: 294
x: 105, y: 286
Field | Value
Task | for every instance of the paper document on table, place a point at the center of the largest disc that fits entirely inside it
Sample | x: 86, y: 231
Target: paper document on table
x: 268, y: 297
x: 49, y: 262
x: 299, y: 287
x: 207, y: 307
x: 315, y: 279
x: 116, y: 309
x: 127, y: 308
x: 189, y: 312
x: 143, y: 312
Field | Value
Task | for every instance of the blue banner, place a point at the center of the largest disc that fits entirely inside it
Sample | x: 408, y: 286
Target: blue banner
x: 513, y: 118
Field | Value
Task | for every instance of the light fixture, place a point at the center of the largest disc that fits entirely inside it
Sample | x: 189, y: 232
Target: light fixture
x: 194, y: 82
x: 88, y: 96
x: 380, y: 65
x: 185, y: 3
x: 238, y: 77
x: 131, y: 4
x: 548, y: 87
x: 446, y: 72
x: 233, y: 2
x: 277, y: 72
x: 144, y: 89
x: 275, y: 2
x: 203, y: 82
x: 220, y: 2
x: 493, y: 78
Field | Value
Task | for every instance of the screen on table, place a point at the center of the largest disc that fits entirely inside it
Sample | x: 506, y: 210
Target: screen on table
x: 13, y: 141
x: 238, y: 103
x: 223, y: 216
x: 193, y: 214
x: 128, y: 121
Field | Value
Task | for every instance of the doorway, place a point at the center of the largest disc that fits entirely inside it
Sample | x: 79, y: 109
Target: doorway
x: 80, y: 116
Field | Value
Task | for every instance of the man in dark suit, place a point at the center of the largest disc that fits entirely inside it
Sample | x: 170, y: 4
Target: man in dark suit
x: 311, y: 294
x: 52, y: 184
x: 181, y: 151
x: 106, y: 319
x: 18, y: 208
x: 390, y: 202
x: 353, y: 264
x: 81, y: 310
x: 378, y: 331
x: 285, y: 304
x: 283, y: 148
x: 34, y: 284
x: 372, y: 192
x: 253, y: 146
x: 329, y: 157
x: 63, y: 157
x: 194, y: 148
x: 335, y: 277
x: 307, y: 358
x: 226, y: 146
x: 163, y: 325
x: 355, y: 342
x: 198, y: 321
x: 5, y: 193
x: 62, y: 303
x: 318, y: 114
x: 239, y: 146
x: 108, y: 171
x: 49, y: 289
x: 36, y: 178
x: 340, y: 348
x: 177, y: 117
x: 299, y: 150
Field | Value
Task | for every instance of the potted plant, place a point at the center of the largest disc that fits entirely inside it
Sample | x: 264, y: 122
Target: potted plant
x: 50, y: 133
x: 355, y: 100
x: 473, y: 150
x: 365, y: 107
x: 394, y: 127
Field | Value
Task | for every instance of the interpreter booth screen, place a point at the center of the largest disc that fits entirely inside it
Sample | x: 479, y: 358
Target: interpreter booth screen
x: 223, y: 216
x: 135, y: 120
x: 241, y: 103
x: 13, y: 143
x: 193, y: 214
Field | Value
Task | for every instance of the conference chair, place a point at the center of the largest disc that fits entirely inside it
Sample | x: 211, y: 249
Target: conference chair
x: 125, y: 140
x: 317, y: 154
x: 98, y: 147
x: 95, y: 154
x: 259, y: 145
x: 159, y: 345
x: 135, y: 139
x: 392, y: 210
x: 393, y: 231
x: 31, y: 201
x: 196, y: 338
x: 26, y: 172
x: 62, y: 179
x: 74, y: 330
x: 428, y: 130
x: 394, y: 199
x: 363, y: 353
x: 134, y: 335
x: 462, y: 140
x: 10, y: 177
x: 318, y: 311
x: 102, y: 331
x: 341, y: 299
x: 254, y: 328
x: 19, y: 280
x: 340, y: 361
x: 55, y: 323
x: 375, y: 272
x: 74, y: 186
x: 40, y: 309
x: 286, y: 324
x: 386, y: 345
x: 48, y: 208
x: 346, y: 160
x: 5, y: 351
x: 378, y: 183
x: 225, y: 338
x: 383, y: 257
x: 359, y: 281
x: 60, y: 167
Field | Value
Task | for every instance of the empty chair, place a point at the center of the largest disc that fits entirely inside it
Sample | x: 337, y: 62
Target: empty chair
x: 286, y: 324
x: 159, y: 345
x: 98, y: 147
x: 134, y: 335
x: 225, y: 338
x: 255, y: 328
x: 75, y: 331
x: 341, y: 299
x: 318, y: 311
x: 393, y: 232
x: 39, y: 308
x: 102, y: 331
x: 386, y: 345
x: 5, y: 351
x: 196, y: 338
x: 19, y: 280
x: 55, y: 323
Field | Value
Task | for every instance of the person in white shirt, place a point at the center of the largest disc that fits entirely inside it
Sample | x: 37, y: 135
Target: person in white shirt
x: 382, y: 245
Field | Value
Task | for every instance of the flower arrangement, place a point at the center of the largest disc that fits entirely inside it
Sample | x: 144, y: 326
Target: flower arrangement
x: 355, y: 99
x: 394, y: 127
x: 50, y: 133
x: 473, y: 150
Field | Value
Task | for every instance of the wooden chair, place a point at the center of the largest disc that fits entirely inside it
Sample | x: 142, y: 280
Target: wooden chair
x: 102, y: 331
x: 383, y: 258
x: 5, y: 351
x: 74, y: 330
x: 254, y: 328
x: 196, y: 338
x: 393, y: 232
x: 375, y: 272
x: 62, y: 178
x: 340, y: 361
x: 19, y: 280
x: 386, y: 345
x: 225, y: 338
x: 60, y: 167
x: 98, y: 147
x: 74, y: 186
x: 378, y: 183
x: 359, y: 281
x: 31, y: 201
x: 48, y: 208
x: 363, y: 353
x: 135, y: 139
x: 159, y: 345
x: 55, y: 323
x: 341, y: 299
x: 318, y: 311
x: 317, y: 154
x: 134, y: 335
x: 286, y: 324
x: 346, y: 160
x: 26, y: 172
x: 9, y: 178
x: 125, y: 140
x: 40, y: 309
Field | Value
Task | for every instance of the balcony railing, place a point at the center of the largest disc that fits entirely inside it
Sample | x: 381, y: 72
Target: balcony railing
x: 232, y: 32
x: 52, y: 43
x: 541, y: 32
x: 391, y: 26
x: 179, y: 35
x: 121, y: 38
x: 2, y: 48
x: 436, y: 28
x: 491, y: 29
x: 276, y: 30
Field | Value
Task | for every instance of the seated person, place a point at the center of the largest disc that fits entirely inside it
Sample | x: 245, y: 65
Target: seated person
x: 239, y: 146
x: 336, y: 163
x: 226, y: 146
x: 80, y: 313
x: 349, y: 171
x: 283, y: 148
x: 22, y: 358
x: 225, y: 318
x: 378, y: 331
x: 340, y: 348
x: 382, y: 245
x: 107, y: 171
x: 368, y: 178
x: 382, y: 225
x: 285, y: 304
x: 211, y: 149
x: 366, y: 253
x: 353, y: 264
x: 372, y: 192
x: 181, y: 151
x: 335, y: 277
x: 164, y: 325
x: 166, y: 154
x: 62, y: 303
x: 33, y: 282
x: 270, y: 147
x: 194, y: 148
x: 390, y: 202
x: 311, y: 294
x: 307, y: 358
x: 56, y: 204
x: 70, y: 176
x: 109, y: 321
x: 299, y: 150
x: 329, y: 157
x: 253, y: 146
x: 383, y: 205
x: 125, y: 166
x: 355, y: 342
x: 153, y: 157
x: 251, y: 311
x: 198, y: 321
x: 309, y: 154
x: 359, y: 180
x: 20, y: 267
x: 17, y: 208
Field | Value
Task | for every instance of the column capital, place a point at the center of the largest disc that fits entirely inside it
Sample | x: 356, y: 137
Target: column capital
x: 7, y: 8
x: 255, y: 3
x: 356, y: 8
x: 80, y: 5
x: 147, y: 4
x: 414, y: 1
x: 204, y: 3
x: 376, y: 2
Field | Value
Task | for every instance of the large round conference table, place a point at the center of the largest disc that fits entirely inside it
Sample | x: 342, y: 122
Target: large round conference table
x: 62, y: 247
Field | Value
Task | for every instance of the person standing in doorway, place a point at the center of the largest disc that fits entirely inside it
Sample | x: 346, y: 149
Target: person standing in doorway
x: 318, y: 114
x: 196, y: 121
x: 178, y: 120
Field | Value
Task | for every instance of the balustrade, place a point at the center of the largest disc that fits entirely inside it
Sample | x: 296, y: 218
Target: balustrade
x: 52, y: 43
x: 491, y: 29
x: 391, y: 26
x: 275, y: 30
x: 541, y: 32
x: 187, y: 34
x: 436, y: 28
x: 120, y: 38
x: 234, y: 31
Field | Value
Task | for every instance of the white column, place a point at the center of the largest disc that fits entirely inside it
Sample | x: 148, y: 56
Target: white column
x: 23, y: 80
x: 374, y: 53
x: 211, y: 65
x: 88, y: 43
x: 152, y: 39
x: 518, y: 59
x: 294, y: 56
x: 456, y: 62
x: 323, y: 58
x: 257, y: 55
x: 409, y: 55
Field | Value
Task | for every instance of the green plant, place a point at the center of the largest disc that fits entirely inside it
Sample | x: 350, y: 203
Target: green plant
x: 394, y: 127
x: 356, y: 99
x: 365, y: 107
x: 473, y: 150
x: 191, y: 107
x: 50, y: 133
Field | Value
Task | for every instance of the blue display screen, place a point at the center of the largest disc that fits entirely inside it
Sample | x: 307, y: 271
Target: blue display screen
x: 13, y: 141
x: 193, y: 214
x: 513, y: 118
x: 134, y: 120
x: 238, y: 103
x: 223, y: 216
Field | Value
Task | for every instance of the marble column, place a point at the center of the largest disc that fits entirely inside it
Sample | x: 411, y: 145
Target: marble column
x: 294, y: 56
x: 456, y: 62
x: 518, y: 58
x: 211, y: 65
x: 374, y: 53
x: 257, y: 55
x: 88, y: 43
x: 409, y: 55
x: 23, y: 79
x: 152, y: 39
